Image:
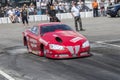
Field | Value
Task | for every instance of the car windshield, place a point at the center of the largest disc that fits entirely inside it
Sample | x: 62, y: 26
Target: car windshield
x: 52, y: 28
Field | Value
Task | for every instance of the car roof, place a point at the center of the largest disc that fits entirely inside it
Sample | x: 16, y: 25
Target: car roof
x: 50, y: 23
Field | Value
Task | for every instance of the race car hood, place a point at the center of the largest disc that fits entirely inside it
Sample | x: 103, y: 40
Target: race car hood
x: 64, y: 37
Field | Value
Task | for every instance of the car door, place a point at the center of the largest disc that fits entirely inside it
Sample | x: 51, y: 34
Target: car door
x: 33, y: 39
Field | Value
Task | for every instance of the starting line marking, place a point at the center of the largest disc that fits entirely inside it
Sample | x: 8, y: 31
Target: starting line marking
x: 6, y: 75
x: 104, y: 42
x: 109, y: 40
x: 96, y: 54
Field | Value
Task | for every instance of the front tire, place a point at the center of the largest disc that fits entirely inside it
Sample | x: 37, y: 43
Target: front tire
x: 44, y: 51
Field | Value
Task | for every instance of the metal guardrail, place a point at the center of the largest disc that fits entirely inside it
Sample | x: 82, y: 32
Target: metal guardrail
x: 34, y: 18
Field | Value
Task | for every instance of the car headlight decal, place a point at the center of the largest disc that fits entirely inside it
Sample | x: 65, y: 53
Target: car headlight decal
x: 85, y: 44
x: 56, y: 47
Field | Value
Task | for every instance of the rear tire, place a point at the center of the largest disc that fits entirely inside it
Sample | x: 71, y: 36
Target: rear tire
x: 118, y: 13
x: 44, y: 51
x: 112, y: 15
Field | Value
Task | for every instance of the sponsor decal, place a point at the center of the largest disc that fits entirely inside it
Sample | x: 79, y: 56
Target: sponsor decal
x: 77, y: 48
x: 63, y: 55
x: 33, y: 42
x: 55, y: 35
x: 33, y: 45
x: 76, y: 39
x: 43, y: 41
x: 74, y: 49
x: 70, y: 48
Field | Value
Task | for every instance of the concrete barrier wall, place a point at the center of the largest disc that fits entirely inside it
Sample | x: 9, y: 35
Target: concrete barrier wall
x: 34, y: 18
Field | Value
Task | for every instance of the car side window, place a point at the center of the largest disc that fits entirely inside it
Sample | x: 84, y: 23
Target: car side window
x: 34, y: 30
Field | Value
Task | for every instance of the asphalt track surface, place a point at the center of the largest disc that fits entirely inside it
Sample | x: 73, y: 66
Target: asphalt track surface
x: 2, y: 78
x: 104, y: 64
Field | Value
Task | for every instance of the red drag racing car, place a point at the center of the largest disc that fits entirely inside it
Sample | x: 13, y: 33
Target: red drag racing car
x: 55, y: 40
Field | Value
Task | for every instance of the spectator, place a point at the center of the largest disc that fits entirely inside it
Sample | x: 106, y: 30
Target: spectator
x: 43, y: 7
x: 51, y: 12
x: 31, y: 9
x: 56, y: 7
x: 67, y: 7
x: 11, y: 15
x: 24, y: 16
x: 95, y: 8
x: 24, y: 5
x: 6, y: 9
x: 17, y: 14
x: 83, y: 7
x: 61, y: 8
x: 75, y: 11
x: 102, y: 8
x: 109, y: 3
x: 80, y: 5
x: 1, y: 12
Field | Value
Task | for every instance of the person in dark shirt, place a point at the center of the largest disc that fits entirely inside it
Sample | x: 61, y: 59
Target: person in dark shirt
x: 24, y: 15
x: 1, y: 12
x: 51, y: 12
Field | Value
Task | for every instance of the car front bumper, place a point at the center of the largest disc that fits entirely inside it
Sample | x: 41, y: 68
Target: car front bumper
x: 65, y: 56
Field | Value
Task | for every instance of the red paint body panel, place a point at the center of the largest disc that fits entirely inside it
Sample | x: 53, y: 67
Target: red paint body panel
x: 70, y: 40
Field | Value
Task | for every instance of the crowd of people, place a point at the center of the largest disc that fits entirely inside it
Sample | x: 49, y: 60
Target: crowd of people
x: 22, y: 13
x: 60, y: 7
x: 33, y: 10
x: 14, y: 13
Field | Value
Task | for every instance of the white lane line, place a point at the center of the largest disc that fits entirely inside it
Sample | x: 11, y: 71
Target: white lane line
x: 101, y: 42
x: 110, y: 40
x: 6, y: 75
x: 96, y: 54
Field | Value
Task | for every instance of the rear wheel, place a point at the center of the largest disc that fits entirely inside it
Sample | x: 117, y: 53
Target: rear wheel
x: 28, y: 48
x: 118, y: 13
x: 26, y: 44
x: 112, y: 15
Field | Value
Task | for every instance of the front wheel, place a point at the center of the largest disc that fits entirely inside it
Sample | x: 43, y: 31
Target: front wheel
x: 44, y: 51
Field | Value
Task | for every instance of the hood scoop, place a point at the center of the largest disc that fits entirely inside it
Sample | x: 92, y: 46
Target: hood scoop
x: 58, y: 39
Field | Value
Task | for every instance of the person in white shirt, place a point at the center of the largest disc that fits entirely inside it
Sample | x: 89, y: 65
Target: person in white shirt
x: 102, y: 8
x: 75, y: 11
x: 43, y: 6
x: 11, y: 15
x: 31, y: 9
